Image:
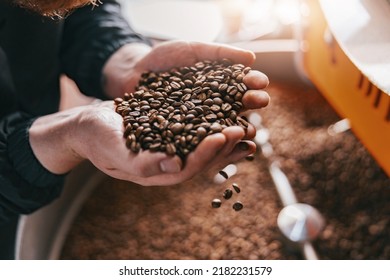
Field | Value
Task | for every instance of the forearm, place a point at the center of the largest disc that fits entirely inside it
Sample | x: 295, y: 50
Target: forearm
x: 90, y: 38
x: 25, y: 184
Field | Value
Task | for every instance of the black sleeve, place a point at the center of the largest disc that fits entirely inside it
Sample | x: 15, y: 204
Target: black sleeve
x: 91, y: 35
x: 25, y: 185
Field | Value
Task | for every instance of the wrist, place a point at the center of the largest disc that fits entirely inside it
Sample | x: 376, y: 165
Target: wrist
x: 54, y: 141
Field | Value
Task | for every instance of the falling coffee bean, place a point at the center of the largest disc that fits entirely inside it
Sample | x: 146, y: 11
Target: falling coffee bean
x: 227, y: 194
x: 237, y: 206
x: 224, y: 174
x: 250, y: 158
x: 236, y: 187
x: 216, y: 203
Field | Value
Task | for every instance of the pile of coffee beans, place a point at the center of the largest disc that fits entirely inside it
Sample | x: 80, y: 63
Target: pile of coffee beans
x: 174, y: 111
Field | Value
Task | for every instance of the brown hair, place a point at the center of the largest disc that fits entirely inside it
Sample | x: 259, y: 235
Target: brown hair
x: 54, y: 8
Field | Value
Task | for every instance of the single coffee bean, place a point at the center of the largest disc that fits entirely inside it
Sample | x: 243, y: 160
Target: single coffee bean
x: 226, y: 107
x: 128, y: 130
x: 201, y: 132
x: 177, y: 128
x: 222, y: 87
x: 228, y: 193
x: 216, y: 127
x: 155, y: 147
x: 237, y: 206
x: 211, y: 117
x: 236, y: 187
x: 129, y: 140
x: 250, y: 158
x: 171, y: 149
x: 216, y: 203
x: 224, y: 174
x: 118, y: 100
x: 242, y: 88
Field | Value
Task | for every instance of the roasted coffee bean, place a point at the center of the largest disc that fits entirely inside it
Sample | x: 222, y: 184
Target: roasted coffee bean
x: 177, y: 128
x: 128, y: 130
x: 216, y: 127
x: 201, y: 132
x: 118, y: 100
x: 155, y: 147
x: 216, y: 203
x: 211, y: 117
x: 171, y: 149
x: 222, y: 87
x: 236, y: 187
x: 208, y: 102
x: 223, y: 174
x: 129, y: 140
x: 246, y: 70
x: 173, y: 111
x: 214, y: 85
x: 215, y: 108
x: 237, y: 206
x: 228, y: 193
x: 242, y: 122
x: 226, y: 107
x: 250, y: 158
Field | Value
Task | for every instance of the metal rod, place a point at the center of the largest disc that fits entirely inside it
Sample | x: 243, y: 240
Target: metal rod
x: 308, y: 251
x: 282, y: 184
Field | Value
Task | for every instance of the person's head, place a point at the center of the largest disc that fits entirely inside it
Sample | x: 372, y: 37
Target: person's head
x: 54, y: 8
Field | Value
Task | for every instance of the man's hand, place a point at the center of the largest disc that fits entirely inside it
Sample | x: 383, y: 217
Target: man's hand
x: 124, y: 68
x: 95, y: 132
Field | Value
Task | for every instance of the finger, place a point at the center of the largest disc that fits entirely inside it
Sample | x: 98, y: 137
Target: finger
x: 206, y: 150
x: 250, y: 132
x: 195, y: 162
x: 256, y: 80
x: 146, y: 164
x: 255, y: 99
x: 233, y: 135
x: 218, y: 51
x: 240, y: 151
x: 159, y: 163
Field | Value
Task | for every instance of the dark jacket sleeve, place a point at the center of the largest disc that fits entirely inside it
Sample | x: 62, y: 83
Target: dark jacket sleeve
x: 25, y: 184
x: 91, y: 35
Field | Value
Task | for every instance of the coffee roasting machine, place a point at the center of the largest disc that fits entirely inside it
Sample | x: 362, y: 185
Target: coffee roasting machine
x: 346, y: 54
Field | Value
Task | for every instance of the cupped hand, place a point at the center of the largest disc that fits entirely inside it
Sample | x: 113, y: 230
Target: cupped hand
x: 101, y: 141
x: 217, y: 150
x: 172, y: 54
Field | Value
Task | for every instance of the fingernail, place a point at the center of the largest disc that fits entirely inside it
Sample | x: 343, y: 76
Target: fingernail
x: 243, y: 146
x: 170, y: 165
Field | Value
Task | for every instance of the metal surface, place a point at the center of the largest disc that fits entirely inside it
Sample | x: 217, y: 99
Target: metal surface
x: 41, y: 235
x: 300, y: 222
x: 360, y: 28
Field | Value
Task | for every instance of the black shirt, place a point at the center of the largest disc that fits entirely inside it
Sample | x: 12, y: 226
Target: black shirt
x: 34, y: 51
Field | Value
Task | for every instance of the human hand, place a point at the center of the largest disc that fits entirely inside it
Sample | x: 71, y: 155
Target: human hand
x: 100, y: 139
x: 216, y: 150
x: 182, y: 53
x: 125, y: 67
